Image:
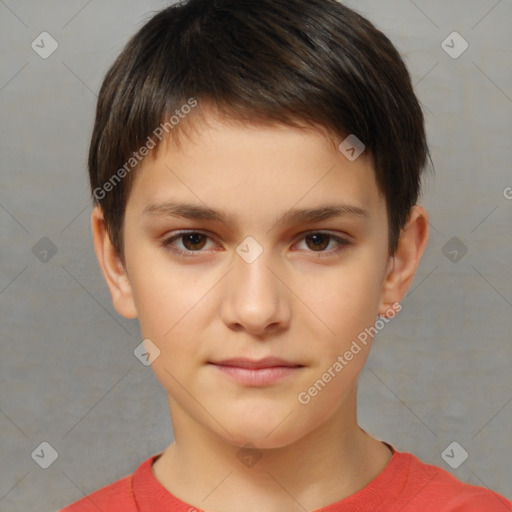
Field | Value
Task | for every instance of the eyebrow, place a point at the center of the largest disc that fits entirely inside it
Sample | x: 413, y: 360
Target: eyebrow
x: 295, y: 215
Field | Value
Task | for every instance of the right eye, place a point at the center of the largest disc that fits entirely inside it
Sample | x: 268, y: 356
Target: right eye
x: 191, y: 241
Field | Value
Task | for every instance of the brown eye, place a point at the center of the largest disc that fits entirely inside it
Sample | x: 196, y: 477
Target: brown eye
x: 317, y: 241
x: 194, y: 241
x: 188, y: 243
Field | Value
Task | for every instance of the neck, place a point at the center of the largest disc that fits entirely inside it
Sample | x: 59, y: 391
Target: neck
x: 327, y: 465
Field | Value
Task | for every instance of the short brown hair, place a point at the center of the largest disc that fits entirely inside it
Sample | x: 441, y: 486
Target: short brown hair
x: 295, y: 62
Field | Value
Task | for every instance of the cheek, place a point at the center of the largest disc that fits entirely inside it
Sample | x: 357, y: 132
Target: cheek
x: 166, y: 295
x: 175, y: 306
x: 345, y: 300
x: 172, y: 316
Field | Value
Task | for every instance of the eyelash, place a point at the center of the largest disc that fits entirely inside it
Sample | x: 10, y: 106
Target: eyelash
x: 168, y: 244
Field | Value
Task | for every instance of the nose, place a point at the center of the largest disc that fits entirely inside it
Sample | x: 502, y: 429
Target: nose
x: 255, y: 298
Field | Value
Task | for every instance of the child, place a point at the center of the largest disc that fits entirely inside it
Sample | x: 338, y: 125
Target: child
x: 256, y: 167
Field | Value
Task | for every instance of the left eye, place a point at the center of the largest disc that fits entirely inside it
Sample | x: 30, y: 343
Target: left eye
x: 318, y: 242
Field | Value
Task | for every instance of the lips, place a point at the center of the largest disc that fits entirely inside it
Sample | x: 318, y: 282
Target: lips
x: 252, y: 364
x: 257, y: 372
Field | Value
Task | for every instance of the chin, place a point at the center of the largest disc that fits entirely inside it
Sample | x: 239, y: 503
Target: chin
x: 249, y: 438
x: 262, y: 433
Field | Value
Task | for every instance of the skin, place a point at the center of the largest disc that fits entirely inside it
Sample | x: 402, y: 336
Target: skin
x: 295, y: 301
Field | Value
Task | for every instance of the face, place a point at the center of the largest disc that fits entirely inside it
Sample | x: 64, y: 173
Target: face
x: 255, y: 257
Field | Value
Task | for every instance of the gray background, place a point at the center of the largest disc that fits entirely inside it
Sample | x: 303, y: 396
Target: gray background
x: 440, y: 372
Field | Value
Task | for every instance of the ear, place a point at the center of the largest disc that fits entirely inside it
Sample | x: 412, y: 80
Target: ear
x: 404, y: 263
x: 112, y: 267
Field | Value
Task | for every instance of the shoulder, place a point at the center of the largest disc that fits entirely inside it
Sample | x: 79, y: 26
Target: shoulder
x: 431, y: 486
x: 116, y: 497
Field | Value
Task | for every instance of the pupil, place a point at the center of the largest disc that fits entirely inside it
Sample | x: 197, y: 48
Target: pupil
x: 192, y: 240
x: 319, y: 241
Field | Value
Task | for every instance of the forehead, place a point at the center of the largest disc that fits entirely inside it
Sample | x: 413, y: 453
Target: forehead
x: 250, y: 167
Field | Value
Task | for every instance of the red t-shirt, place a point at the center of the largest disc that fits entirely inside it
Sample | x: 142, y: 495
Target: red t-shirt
x: 405, y: 485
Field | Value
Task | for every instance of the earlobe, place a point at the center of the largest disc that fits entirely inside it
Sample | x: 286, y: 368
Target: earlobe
x: 404, y: 263
x: 112, y: 267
